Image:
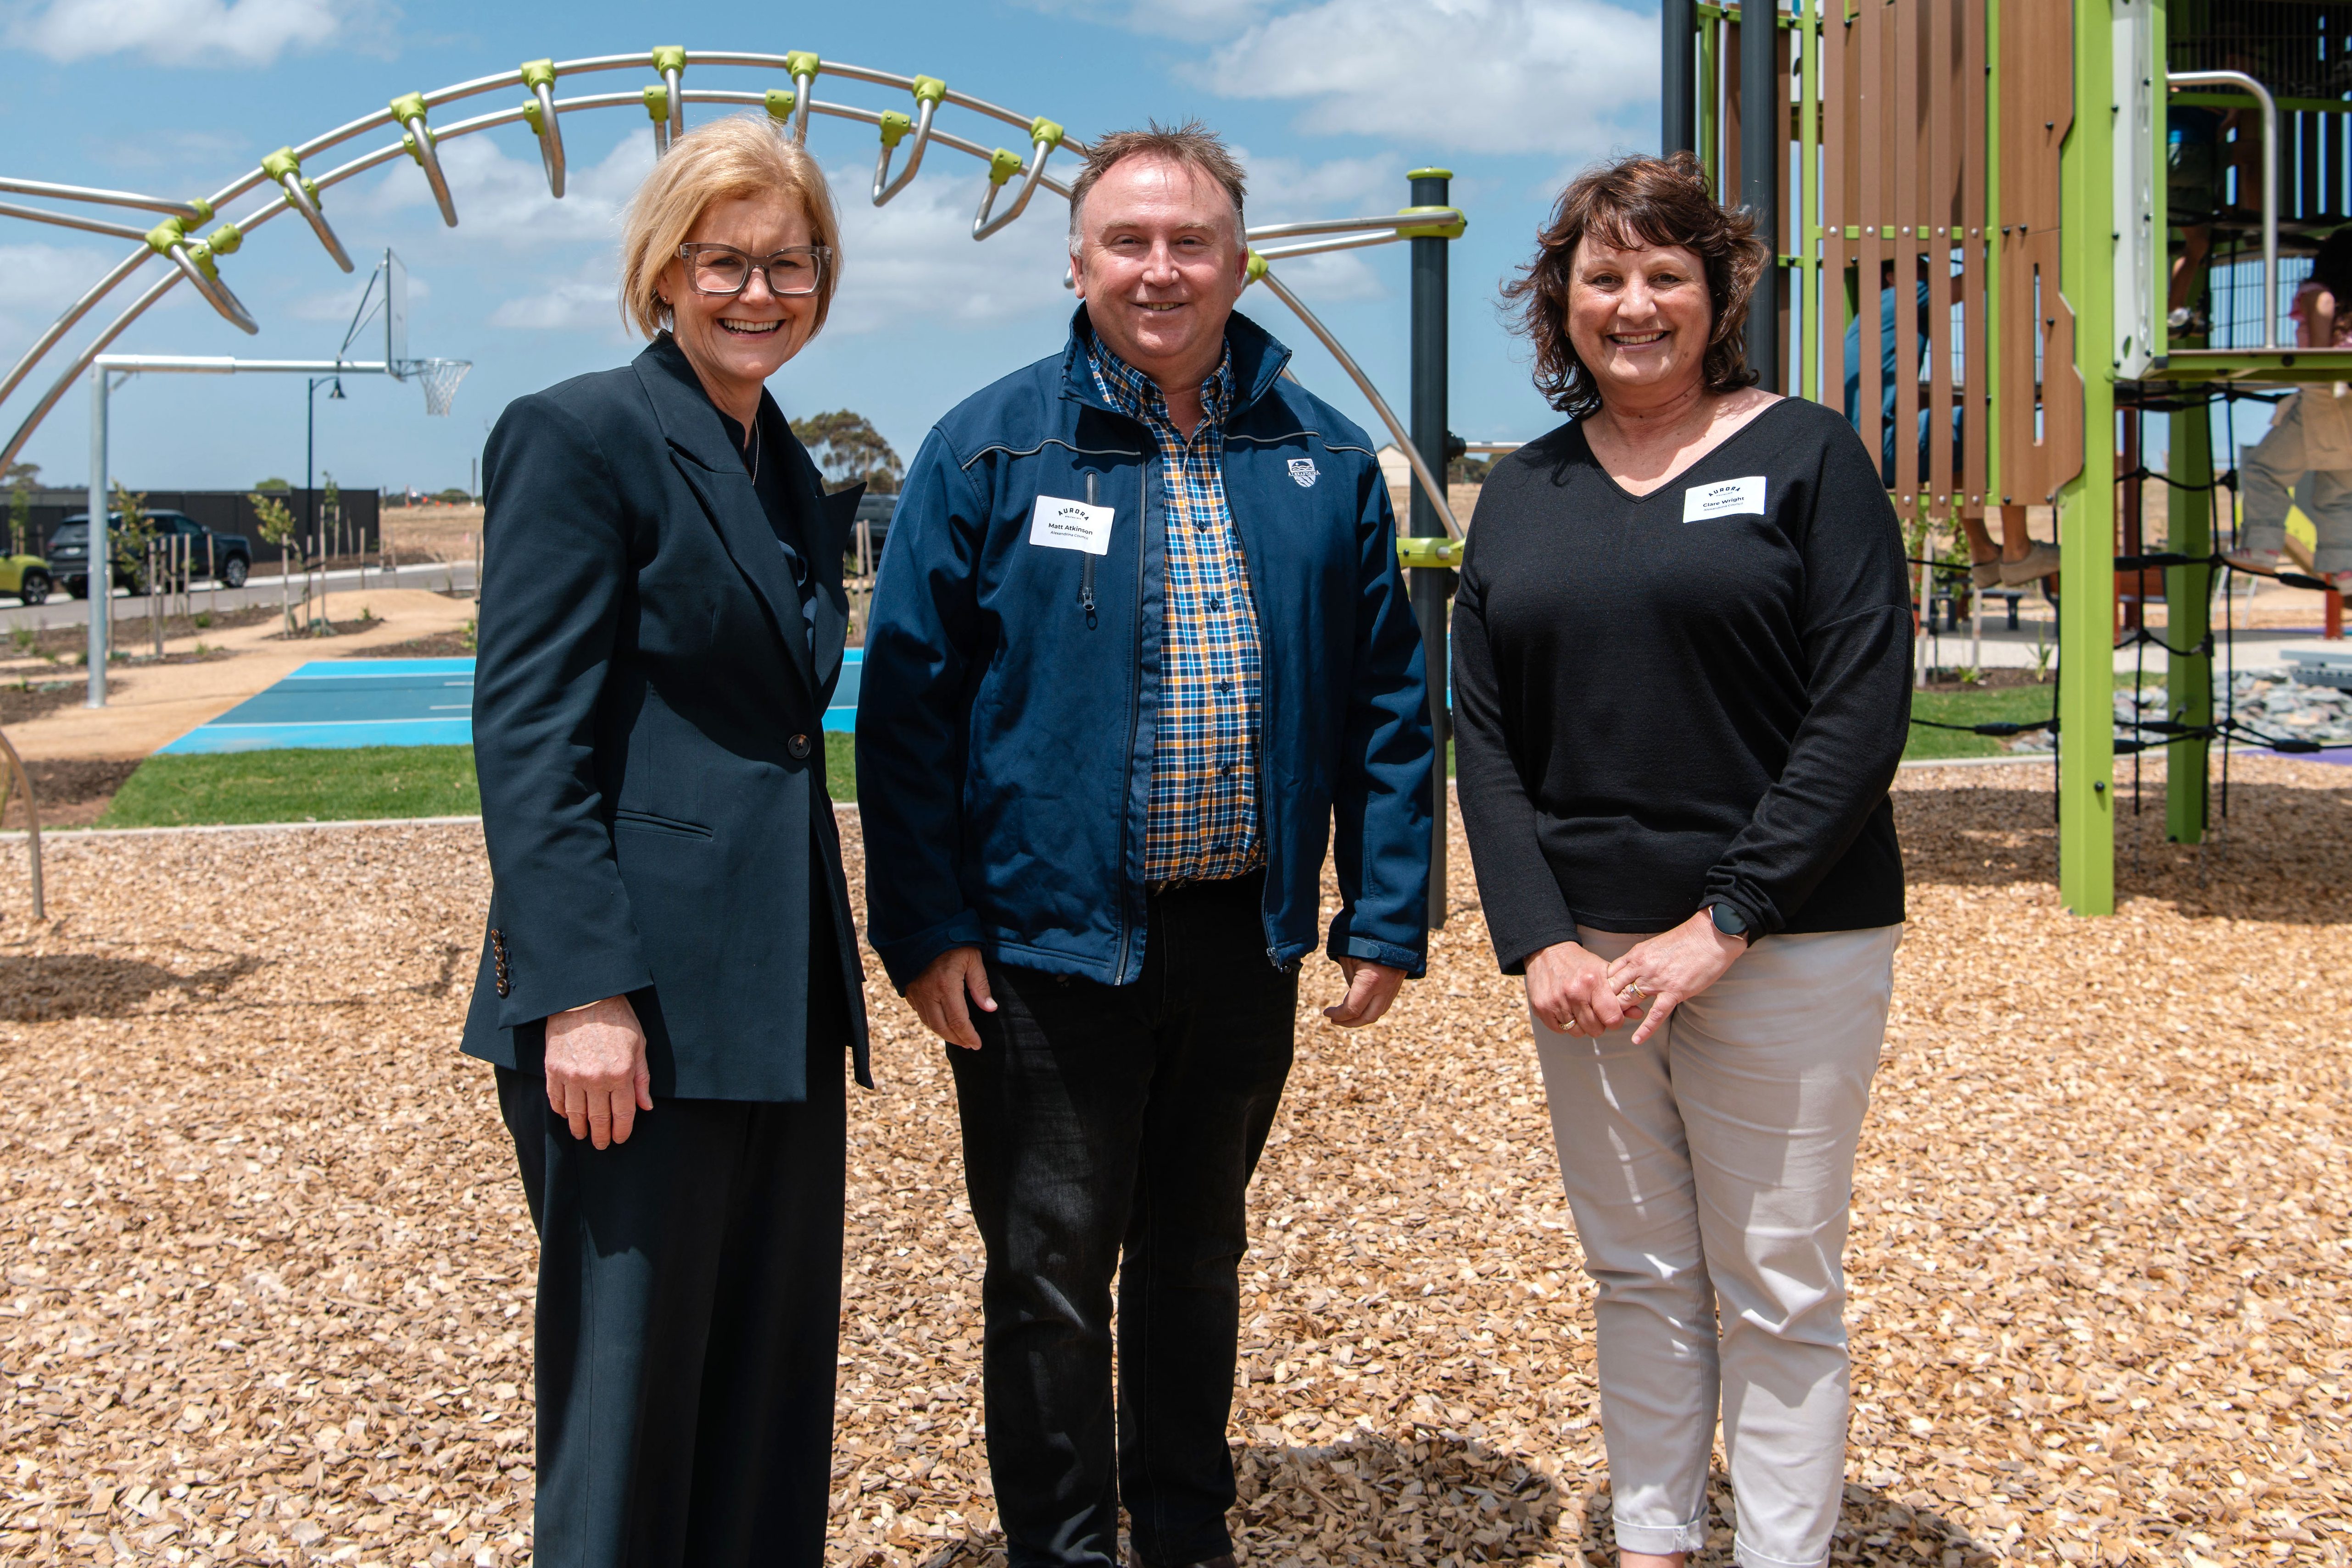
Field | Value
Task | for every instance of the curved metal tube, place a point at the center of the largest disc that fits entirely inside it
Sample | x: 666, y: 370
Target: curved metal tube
x: 73, y: 313
x: 108, y: 198
x: 216, y: 293
x: 430, y: 162
x: 982, y: 225
x: 924, y: 114
x: 1349, y: 226
x: 1429, y: 484
x: 672, y: 80
x: 550, y: 140
x: 161, y: 286
x: 803, y: 95
x: 1319, y: 246
x: 299, y: 200
x: 67, y: 221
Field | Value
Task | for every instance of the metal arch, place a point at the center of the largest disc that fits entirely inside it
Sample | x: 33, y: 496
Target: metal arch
x: 187, y: 210
x: 71, y: 220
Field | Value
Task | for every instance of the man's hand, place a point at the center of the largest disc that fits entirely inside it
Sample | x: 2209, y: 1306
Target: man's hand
x: 1568, y: 987
x: 596, y: 1074
x: 1658, y: 975
x: 1371, y: 989
x: 939, y: 992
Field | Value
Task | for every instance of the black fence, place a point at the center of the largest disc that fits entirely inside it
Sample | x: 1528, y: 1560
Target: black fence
x: 222, y: 511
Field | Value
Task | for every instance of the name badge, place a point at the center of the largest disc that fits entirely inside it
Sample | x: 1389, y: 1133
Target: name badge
x: 1073, y: 525
x: 1730, y: 499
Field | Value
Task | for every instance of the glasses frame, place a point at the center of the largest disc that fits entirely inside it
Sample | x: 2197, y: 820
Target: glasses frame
x: 819, y: 253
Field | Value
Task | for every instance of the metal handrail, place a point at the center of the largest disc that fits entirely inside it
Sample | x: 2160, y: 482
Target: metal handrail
x: 2269, y: 181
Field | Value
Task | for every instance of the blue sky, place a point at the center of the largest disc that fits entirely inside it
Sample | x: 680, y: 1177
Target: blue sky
x: 1330, y: 100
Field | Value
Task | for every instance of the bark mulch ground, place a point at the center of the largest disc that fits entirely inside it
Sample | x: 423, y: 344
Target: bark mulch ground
x: 268, y: 1280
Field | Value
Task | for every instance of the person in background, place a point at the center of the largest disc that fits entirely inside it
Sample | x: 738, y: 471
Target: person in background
x: 2305, y: 458
x: 669, y: 987
x: 1681, y: 660
x: 1140, y: 645
x: 2019, y: 559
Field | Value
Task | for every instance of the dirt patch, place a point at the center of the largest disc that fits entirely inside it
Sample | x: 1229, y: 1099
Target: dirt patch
x: 29, y: 699
x: 440, y: 646
x: 71, y: 791
x: 1996, y: 677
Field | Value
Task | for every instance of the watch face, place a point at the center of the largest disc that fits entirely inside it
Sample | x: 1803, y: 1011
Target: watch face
x: 1726, y: 919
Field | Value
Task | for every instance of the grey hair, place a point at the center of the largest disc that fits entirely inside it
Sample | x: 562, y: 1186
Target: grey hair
x: 1190, y: 145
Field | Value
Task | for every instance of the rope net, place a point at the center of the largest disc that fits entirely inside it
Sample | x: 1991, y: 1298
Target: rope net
x: 440, y: 378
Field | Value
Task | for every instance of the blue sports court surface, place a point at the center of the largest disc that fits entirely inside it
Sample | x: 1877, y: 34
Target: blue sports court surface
x: 392, y: 701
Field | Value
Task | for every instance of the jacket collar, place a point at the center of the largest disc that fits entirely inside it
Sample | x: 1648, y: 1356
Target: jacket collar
x: 1258, y: 357
x: 714, y: 469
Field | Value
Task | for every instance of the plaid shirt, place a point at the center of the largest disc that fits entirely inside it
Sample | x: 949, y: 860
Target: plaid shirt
x: 1203, y: 821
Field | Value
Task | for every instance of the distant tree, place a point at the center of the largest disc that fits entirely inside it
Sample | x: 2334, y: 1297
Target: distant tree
x: 19, y: 478
x: 277, y: 524
x: 454, y: 497
x: 1469, y: 470
x: 849, y: 450
x: 129, y: 533
x: 272, y: 483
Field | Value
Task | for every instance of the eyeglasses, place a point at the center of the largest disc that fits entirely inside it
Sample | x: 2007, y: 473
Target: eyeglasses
x: 723, y: 270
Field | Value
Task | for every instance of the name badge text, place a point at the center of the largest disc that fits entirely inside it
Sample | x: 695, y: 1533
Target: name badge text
x: 1728, y: 498
x: 1072, y: 524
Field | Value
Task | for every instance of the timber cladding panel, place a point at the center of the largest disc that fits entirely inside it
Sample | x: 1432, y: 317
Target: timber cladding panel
x: 2037, y: 326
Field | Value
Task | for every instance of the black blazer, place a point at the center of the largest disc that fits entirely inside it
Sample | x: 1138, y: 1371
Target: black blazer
x: 649, y: 732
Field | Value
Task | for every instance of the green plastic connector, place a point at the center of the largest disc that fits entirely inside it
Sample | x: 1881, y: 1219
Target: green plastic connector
x: 1044, y: 132
x: 310, y: 189
x: 280, y: 163
x: 408, y: 144
x: 202, y: 255
x: 895, y: 127
x: 167, y: 234
x: 1258, y: 267
x: 929, y: 89
x: 670, y: 57
x: 530, y: 117
x: 1429, y: 174
x: 408, y: 106
x: 203, y: 209
x: 1452, y: 229
x: 1422, y: 553
x: 226, y: 239
x: 779, y: 101
x: 1002, y: 166
x: 803, y: 63
x: 657, y: 104
x: 537, y: 74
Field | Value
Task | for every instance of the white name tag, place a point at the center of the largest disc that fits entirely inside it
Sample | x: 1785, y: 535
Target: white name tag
x: 1730, y: 499
x: 1073, y: 525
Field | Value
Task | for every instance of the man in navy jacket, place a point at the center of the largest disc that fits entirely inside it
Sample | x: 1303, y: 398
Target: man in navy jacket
x: 1139, y: 644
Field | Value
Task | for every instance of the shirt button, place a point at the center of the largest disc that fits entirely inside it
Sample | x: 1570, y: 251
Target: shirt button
x: 799, y: 747
x: 1224, y: 686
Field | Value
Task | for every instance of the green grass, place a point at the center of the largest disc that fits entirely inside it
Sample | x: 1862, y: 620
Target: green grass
x: 335, y: 785
x: 324, y: 785
x: 2014, y: 704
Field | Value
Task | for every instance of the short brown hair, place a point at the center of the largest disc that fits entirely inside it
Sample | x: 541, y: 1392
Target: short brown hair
x: 720, y: 160
x: 1192, y: 145
x: 1630, y: 201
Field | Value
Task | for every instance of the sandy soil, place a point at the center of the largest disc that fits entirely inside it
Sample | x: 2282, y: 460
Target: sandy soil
x: 269, y: 1280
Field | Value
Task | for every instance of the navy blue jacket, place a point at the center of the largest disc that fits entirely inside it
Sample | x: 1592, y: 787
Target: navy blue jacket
x: 648, y: 731
x: 1005, y: 730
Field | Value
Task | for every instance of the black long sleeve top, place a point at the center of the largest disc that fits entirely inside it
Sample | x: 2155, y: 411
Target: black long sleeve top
x: 1691, y: 696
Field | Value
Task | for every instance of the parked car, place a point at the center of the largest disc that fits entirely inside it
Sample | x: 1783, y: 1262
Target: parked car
x: 226, y: 557
x: 26, y: 576
x: 875, y: 512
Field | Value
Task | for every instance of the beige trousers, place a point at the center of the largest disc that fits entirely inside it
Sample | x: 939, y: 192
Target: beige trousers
x: 1710, y: 1171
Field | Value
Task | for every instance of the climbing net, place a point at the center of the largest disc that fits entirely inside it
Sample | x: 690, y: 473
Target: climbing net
x: 908, y: 130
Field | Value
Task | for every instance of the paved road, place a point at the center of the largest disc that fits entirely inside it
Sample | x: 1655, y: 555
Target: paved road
x: 63, y: 610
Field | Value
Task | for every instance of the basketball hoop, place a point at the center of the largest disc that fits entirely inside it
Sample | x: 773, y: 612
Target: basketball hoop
x: 440, y: 378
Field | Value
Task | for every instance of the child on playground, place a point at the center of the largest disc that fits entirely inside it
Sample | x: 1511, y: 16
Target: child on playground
x: 2306, y: 458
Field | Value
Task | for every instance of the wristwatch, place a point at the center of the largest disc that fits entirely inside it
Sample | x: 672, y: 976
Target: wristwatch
x: 1729, y: 921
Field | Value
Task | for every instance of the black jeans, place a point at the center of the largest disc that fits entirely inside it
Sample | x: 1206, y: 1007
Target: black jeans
x: 1113, y: 1129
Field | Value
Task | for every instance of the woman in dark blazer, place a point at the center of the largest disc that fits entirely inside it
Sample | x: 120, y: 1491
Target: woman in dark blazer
x: 669, y: 986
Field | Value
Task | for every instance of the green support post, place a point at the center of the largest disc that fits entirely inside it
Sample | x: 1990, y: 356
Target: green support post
x: 2187, y: 617
x: 2086, y: 504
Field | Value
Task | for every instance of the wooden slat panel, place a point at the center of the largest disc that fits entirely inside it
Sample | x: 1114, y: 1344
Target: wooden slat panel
x: 2037, y: 49
x: 1836, y: 173
x: 1727, y: 182
x: 1872, y: 130
x: 1972, y: 236
x: 1937, y: 20
x: 1905, y: 208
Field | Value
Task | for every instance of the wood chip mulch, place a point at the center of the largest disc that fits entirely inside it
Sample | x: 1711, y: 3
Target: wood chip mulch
x: 269, y: 1280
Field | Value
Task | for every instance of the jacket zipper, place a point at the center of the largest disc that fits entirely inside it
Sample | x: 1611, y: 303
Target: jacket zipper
x: 1134, y: 699
x: 1086, y: 570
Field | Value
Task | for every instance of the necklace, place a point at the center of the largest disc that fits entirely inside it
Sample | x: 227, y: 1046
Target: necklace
x: 755, y: 449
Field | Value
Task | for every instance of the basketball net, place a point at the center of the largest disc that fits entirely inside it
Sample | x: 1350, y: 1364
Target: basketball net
x: 441, y: 378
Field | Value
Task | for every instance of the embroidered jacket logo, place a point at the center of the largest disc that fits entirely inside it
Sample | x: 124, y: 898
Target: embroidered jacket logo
x: 1302, y: 469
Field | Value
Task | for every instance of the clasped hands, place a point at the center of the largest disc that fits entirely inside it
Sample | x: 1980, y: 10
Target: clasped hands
x: 1576, y: 992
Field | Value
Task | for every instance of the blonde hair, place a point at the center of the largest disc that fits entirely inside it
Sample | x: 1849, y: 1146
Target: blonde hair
x: 740, y: 156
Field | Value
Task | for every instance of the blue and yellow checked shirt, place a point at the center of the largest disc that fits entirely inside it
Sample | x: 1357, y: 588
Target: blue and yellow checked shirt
x: 1202, y: 820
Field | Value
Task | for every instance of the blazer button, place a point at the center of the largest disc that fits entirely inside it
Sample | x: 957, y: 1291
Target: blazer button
x: 799, y: 747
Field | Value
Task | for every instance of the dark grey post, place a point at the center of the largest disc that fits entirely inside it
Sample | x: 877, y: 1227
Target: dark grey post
x: 1763, y: 150
x: 1430, y: 437
x: 1678, y: 91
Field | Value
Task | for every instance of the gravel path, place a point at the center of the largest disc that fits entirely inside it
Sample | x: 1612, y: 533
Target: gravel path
x: 269, y: 1279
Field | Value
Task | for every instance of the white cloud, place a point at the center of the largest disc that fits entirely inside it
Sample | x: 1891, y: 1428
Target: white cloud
x: 47, y: 276
x: 1485, y: 76
x: 916, y: 259
x: 502, y: 199
x: 186, y: 32
x: 589, y: 301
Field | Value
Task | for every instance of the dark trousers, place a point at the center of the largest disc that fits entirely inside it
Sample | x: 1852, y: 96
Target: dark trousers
x: 1113, y: 1129
x: 690, y: 1306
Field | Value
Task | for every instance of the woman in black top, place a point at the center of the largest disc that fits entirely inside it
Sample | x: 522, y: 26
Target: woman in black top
x: 1681, y: 652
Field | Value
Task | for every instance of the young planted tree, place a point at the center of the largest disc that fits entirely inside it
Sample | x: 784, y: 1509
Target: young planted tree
x: 128, y: 537
x: 19, y: 478
x: 275, y: 520
x: 849, y: 450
